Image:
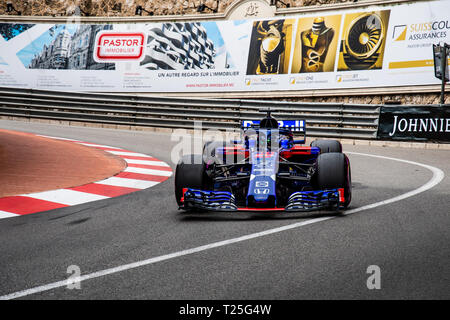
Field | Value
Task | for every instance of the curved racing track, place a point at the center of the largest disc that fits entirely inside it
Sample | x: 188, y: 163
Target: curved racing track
x: 140, y: 246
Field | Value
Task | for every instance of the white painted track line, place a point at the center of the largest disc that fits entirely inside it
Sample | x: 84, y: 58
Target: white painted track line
x: 437, y: 177
x: 66, y: 196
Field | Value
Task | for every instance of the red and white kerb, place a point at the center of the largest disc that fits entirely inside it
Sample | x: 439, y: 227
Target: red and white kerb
x: 143, y: 171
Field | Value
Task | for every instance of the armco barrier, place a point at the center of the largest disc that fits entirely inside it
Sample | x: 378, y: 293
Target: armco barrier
x: 356, y: 121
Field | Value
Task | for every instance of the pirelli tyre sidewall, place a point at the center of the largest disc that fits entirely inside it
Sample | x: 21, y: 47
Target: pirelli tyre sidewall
x: 327, y: 145
x: 333, y: 171
x: 190, y: 173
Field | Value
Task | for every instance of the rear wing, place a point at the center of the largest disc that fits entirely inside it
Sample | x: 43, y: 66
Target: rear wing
x: 296, y: 126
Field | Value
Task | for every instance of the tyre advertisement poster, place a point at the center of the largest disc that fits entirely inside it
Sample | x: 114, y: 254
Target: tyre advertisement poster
x: 379, y: 46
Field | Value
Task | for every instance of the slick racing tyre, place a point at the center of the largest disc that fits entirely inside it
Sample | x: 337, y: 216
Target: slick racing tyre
x: 190, y: 173
x: 333, y: 171
x: 327, y: 145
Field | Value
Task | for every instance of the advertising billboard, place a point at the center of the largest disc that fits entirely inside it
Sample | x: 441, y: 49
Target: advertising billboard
x: 381, y: 46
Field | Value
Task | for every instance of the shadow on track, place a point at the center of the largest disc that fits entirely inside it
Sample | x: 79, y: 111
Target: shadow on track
x: 255, y: 216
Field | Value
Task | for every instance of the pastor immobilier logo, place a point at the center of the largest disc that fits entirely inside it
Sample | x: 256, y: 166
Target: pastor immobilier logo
x: 113, y: 46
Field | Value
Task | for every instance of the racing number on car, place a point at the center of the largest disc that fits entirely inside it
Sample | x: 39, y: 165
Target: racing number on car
x: 261, y: 187
x: 262, y: 190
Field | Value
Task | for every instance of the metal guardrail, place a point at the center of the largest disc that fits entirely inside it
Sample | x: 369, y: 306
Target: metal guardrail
x: 337, y: 120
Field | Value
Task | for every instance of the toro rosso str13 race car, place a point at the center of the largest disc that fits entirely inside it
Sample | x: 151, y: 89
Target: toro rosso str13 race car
x: 266, y: 170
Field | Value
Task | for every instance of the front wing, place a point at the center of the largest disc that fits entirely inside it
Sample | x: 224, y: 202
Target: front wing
x: 332, y: 199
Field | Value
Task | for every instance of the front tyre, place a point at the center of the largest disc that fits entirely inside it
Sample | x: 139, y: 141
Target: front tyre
x: 190, y: 173
x: 333, y: 172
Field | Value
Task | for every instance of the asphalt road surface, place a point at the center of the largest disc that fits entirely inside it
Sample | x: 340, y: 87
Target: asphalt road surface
x: 139, y: 246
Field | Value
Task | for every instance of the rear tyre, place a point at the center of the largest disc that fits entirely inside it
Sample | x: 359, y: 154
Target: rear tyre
x: 190, y: 173
x: 327, y: 145
x: 333, y: 171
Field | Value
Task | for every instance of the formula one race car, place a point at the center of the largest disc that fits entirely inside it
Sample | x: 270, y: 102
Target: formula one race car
x: 266, y: 170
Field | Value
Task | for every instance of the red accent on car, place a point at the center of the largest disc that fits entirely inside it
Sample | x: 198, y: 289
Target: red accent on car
x: 261, y: 209
x: 184, y: 191
x: 264, y: 154
x: 341, y: 195
x: 296, y: 150
x: 235, y: 151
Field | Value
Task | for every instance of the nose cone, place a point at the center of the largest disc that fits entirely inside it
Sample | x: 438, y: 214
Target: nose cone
x: 261, y: 189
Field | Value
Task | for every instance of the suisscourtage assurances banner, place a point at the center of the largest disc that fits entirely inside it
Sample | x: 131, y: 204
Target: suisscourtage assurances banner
x: 377, y: 47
